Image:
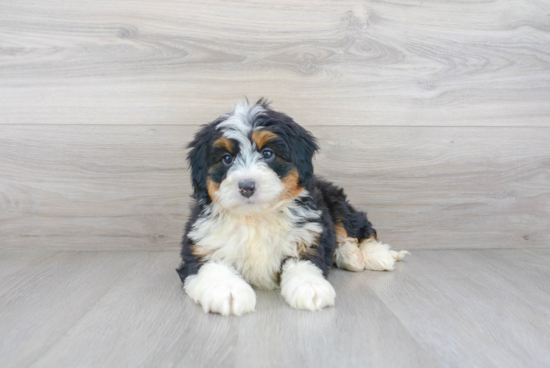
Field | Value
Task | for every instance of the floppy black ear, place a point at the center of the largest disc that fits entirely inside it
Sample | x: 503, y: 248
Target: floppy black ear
x: 198, y: 158
x: 304, y: 147
x: 198, y: 165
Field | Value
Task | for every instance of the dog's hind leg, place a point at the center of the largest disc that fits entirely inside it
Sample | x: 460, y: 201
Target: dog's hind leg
x: 347, y: 255
x: 357, y: 247
x: 378, y: 256
x: 370, y: 254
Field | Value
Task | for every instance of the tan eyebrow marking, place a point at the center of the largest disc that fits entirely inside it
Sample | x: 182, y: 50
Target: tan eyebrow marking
x: 224, y: 143
x: 262, y: 137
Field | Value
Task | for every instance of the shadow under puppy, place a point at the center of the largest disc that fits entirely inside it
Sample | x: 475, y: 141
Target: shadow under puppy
x: 261, y: 217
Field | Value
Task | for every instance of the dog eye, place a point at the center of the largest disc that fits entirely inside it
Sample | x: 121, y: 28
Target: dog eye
x: 268, y: 154
x: 227, y: 159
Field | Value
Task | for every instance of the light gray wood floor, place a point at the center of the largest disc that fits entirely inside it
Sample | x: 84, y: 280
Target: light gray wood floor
x: 462, y: 308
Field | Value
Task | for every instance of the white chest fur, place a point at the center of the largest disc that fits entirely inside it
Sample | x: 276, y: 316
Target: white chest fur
x: 255, y: 245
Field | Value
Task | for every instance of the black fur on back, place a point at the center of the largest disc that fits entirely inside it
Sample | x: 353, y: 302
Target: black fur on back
x: 355, y: 222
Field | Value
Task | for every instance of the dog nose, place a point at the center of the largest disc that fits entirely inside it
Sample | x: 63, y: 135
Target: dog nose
x: 247, y: 188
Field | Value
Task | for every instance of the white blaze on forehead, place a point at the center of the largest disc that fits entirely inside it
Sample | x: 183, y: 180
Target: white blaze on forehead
x: 239, y: 123
x: 248, y: 165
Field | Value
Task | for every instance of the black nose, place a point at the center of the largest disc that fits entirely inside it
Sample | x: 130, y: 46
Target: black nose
x: 247, y: 188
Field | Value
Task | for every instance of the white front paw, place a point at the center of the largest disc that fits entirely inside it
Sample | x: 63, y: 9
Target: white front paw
x: 304, y: 287
x: 220, y: 289
x: 228, y: 298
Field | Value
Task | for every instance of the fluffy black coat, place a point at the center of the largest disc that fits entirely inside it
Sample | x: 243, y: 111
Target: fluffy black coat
x: 296, y: 149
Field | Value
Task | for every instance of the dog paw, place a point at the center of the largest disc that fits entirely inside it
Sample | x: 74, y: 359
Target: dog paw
x: 378, y: 256
x: 348, y: 256
x: 228, y: 298
x: 304, y: 287
x: 220, y: 289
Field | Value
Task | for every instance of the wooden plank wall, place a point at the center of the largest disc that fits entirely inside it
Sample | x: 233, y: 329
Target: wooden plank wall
x: 434, y: 115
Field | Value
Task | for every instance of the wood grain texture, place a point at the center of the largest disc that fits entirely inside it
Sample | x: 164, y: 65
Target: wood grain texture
x: 146, y: 321
x: 167, y: 329
x: 439, y: 308
x: 12, y: 262
x: 350, y: 62
x: 476, y: 308
x: 359, y: 332
x: 127, y: 187
x: 99, y: 187
x: 120, y: 86
x: 46, y: 297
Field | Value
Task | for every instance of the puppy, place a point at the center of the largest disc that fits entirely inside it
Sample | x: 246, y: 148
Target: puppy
x: 261, y: 218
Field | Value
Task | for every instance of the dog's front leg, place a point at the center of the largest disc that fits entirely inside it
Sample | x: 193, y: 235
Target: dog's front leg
x: 219, y: 288
x: 304, y: 287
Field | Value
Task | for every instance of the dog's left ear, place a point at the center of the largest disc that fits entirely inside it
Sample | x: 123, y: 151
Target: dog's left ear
x: 304, y: 146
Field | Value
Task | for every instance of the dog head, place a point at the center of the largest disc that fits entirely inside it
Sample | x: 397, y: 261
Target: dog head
x: 252, y: 159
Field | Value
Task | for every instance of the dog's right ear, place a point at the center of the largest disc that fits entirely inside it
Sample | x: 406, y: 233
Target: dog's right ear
x: 198, y: 159
x: 197, y: 163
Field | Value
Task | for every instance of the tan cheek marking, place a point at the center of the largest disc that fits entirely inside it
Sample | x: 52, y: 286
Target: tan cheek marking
x: 199, y: 251
x: 292, y: 189
x: 261, y: 137
x: 212, y: 188
x: 224, y: 143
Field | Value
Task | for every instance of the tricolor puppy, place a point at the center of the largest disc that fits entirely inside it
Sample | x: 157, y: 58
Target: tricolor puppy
x: 262, y: 219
